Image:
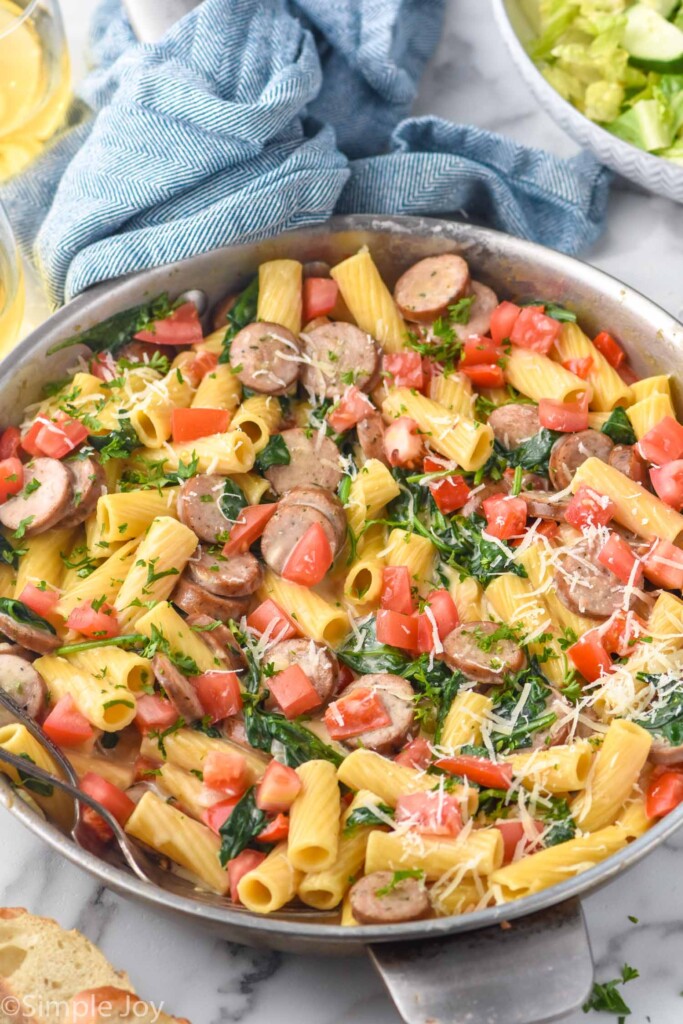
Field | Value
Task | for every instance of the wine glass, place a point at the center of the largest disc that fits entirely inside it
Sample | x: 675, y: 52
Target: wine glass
x: 12, y: 289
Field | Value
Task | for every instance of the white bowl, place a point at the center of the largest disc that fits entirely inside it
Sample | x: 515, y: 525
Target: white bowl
x: 653, y: 173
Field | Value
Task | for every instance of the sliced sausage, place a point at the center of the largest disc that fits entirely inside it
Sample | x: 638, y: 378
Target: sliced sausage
x: 397, y: 697
x: 378, y: 899
x: 313, y: 460
x: 89, y: 484
x: 218, y: 637
x: 627, y: 459
x: 21, y: 680
x: 42, y: 641
x: 572, y: 450
x: 467, y: 649
x: 512, y: 424
x: 479, y: 323
x: 371, y: 437
x: 178, y: 688
x: 588, y: 588
x: 195, y: 600
x: 540, y: 505
x: 316, y: 268
x: 661, y: 752
x: 324, y: 501
x: 219, y: 316
x: 318, y: 661
x: 265, y: 357
x: 236, y: 576
x: 45, y: 497
x: 286, y: 528
x: 199, y: 508
x: 426, y: 290
x: 336, y: 355
x: 477, y: 498
x: 143, y: 351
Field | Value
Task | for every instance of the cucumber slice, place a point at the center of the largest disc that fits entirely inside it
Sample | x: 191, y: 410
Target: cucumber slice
x: 652, y: 42
x: 664, y: 7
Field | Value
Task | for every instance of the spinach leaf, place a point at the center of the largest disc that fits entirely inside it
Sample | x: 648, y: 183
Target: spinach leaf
x: 370, y: 656
x: 232, y: 500
x: 473, y: 555
x: 559, y: 817
x: 665, y: 718
x: 27, y: 781
x: 552, y: 309
x: 533, y: 716
x: 532, y: 455
x: 241, y: 314
x: 23, y: 615
x: 8, y: 554
x: 619, y: 428
x: 118, y: 330
x: 276, y: 453
x: 444, y: 701
x: 117, y: 444
x: 363, y: 816
x: 242, y: 827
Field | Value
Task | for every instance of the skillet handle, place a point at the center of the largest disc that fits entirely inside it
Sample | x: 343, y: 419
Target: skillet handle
x: 538, y: 969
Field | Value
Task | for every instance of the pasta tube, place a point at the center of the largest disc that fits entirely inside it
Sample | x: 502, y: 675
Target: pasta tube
x: 314, y: 818
x: 617, y: 766
x: 163, y: 554
x: 467, y: 442
x: 370, y: 301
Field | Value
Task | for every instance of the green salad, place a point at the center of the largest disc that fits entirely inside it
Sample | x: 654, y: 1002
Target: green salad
x: 619, y: 62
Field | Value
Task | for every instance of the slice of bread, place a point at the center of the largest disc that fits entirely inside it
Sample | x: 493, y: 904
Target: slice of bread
x: 114, y: 1006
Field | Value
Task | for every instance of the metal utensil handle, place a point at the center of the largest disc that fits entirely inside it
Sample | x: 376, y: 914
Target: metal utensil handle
x: 151, y: 18
x: 46, y: 743
x: 535, y: 970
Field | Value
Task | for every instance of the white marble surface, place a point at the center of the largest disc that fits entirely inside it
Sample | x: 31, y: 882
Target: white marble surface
x: 211, y: 982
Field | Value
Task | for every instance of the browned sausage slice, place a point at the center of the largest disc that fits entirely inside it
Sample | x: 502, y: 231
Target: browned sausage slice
x: 469, y: 649
x: 237, y: 576
x: 479, y: 323
x: 379, y: 899
x: 512, y: 424
x: 589, y: 588
x: 426, y: 290
x: 89, y: 484
x: 218, y: 637
x: 628, y: 460
x: 397, y: 696
x: 20, y: 680
x: 42, y: 641
x: 541, y: 505
x: 286, y: 528
x: 371, y: 437
x: 336, y: 355
x: 195, y: 600
x: 42, y: 502
x: 324, y: 501
x: 572, y: 450
x: 662, y: 752
x: 313, y: 460
x: 479, y: 495
x: 178, y: 688
x: 265, y: 357
x: 318, y: 661
x: 142, y: 351
x: 198, y: 507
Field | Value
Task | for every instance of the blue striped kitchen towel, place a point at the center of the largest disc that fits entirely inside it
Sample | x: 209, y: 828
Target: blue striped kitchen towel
x: 254, y: 116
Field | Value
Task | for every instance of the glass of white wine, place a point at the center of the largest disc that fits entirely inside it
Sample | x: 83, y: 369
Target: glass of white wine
x: 12, y: 290
x: 35, y: 81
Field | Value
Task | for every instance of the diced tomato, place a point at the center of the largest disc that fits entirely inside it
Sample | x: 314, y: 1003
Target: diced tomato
x: 113, y: 799
x: 310, y: 558
x: 621, y: 631
x: 144, y: 768
x: 442, y: 616
x: 352, y: 407
x: 610, y: 349
x: 432, y: 813
x: 514, y: 833
x: 548, y: 528
x: 534, y: 330
x: 217, y: 814
x: 567, y: 417
x: 588, y: 508
x: 240, y: 866
x: 65, y: 725
x: 319, y: 297
x: 278, y: 789
x: 357, y: 711
x: 580, y: 367
x: 103, y: 366
x: 476, y: 351
x: 663, y: 565
x: 11, y: 477
x: 270, y: 618
x: 404, y: 369
x: 668, y: 483
x: 617, y: 555
x: 98, y: 624
x: 10, y: 442
x: 664, y: 794
x: 663, y: 443
x: 196, y: 369
x: 396, y: 629
x: 28, y: 440
x: 182, y: 327
x: 505, y: 516
x: 403, y: 445
x: 396, y: 592
x: 503, y: 320
x: 449, y: 492
x: 275, y: 831
x: 154, y: 713
x: 225, y: 771
x: 248, y: 527
x: 42, y: 602
x: 627, y: 374
x: 294, y: 691
x: 61, y: 437
x: 589, y: 656
x: 219, y: 694
x: 478, y: 769
x: 416, y: 754
x: 189, y: 424
x: 485, y: 376
x: 346, y: 677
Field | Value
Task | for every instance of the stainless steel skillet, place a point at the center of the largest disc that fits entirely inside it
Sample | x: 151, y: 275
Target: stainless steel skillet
x: 457, y: 970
